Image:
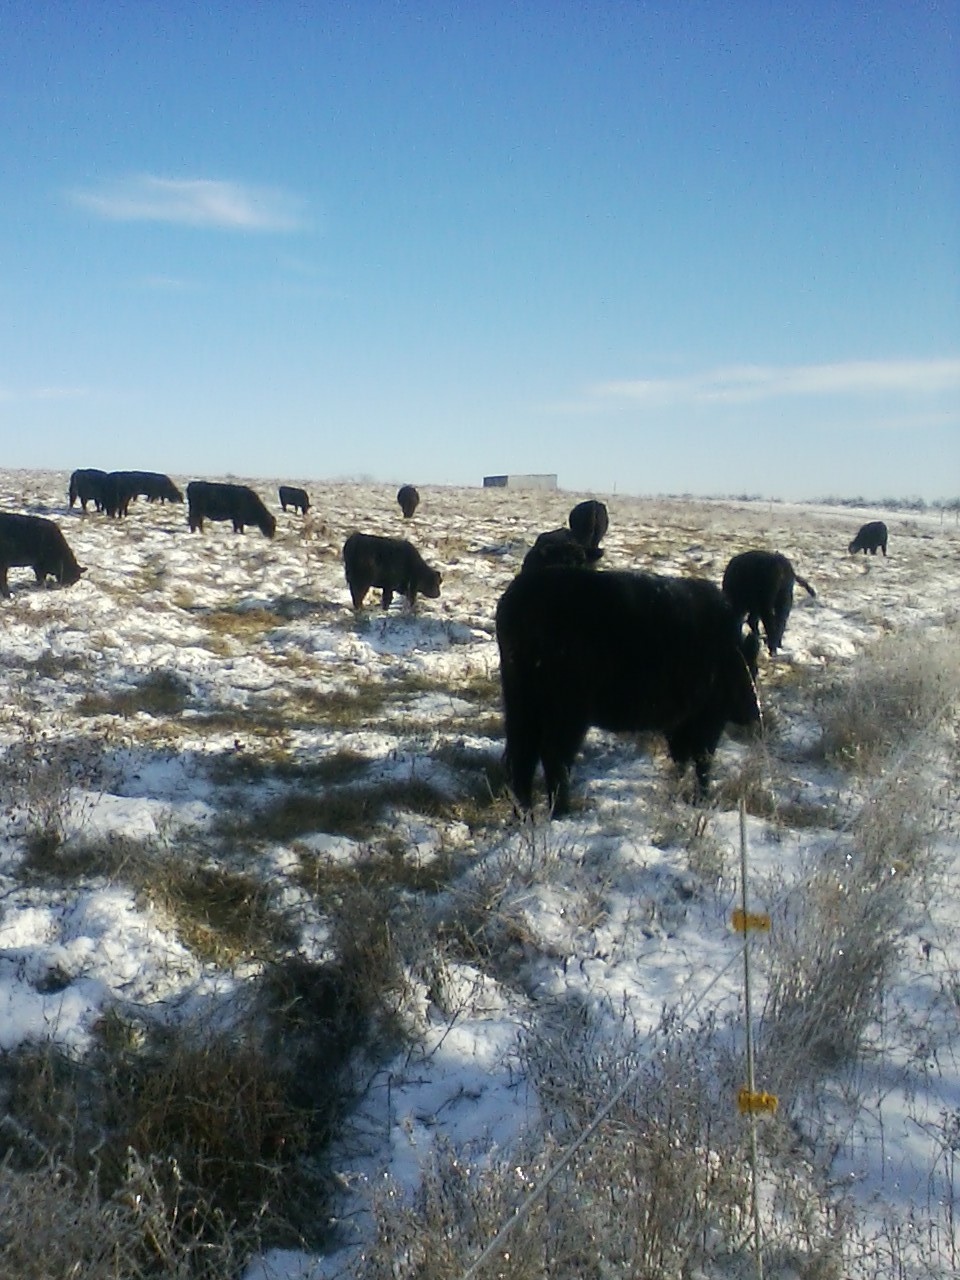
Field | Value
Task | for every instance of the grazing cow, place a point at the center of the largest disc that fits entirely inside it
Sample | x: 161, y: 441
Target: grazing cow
x: 152, y: 485
x: 759, y: 586
x: 870, y: 536
x: 119, y: 488
x: 296, y: 498
x: 86, y: 484
x: 37, y: 543
x: 409, y: 500
x: 588, y: 522
x: 393, y: 564
x: 210, y: 500
x: 559, y: 548
x: 621, y: 651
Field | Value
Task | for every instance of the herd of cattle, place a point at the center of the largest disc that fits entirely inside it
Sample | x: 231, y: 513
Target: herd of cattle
x: 618, y: 650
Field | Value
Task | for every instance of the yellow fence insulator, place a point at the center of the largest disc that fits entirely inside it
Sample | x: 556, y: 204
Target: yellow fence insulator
x: 744, y: 920
x: 749, y: 1103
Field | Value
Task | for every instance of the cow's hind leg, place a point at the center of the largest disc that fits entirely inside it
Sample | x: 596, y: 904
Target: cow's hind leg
x: 559, y: 745
x: 782, y: 605
x: 521, y: 755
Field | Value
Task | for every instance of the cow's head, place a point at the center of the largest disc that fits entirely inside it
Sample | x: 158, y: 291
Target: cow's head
x: 70, y: 573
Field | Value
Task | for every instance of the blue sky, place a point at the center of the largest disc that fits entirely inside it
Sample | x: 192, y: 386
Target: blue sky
x: 661, y: 247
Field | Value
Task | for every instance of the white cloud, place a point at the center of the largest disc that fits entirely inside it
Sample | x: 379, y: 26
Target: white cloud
x: 194, y: 202
x: 11, y: 395
x: 743, y: 383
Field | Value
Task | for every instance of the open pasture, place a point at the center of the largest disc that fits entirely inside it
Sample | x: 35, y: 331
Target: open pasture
x: 216, y: 774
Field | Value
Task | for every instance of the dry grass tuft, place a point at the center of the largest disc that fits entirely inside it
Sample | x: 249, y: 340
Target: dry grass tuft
x: 353, y: 811
x: 176, y: 1151
x: 220, y: 915
x: 906, y: 684
x: 278, y: 764
x: 162, y: 693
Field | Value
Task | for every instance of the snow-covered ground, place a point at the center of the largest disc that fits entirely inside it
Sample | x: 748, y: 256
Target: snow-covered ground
x: 242, y: 625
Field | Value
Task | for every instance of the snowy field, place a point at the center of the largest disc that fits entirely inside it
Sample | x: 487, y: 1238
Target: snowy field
x: 259, y: 651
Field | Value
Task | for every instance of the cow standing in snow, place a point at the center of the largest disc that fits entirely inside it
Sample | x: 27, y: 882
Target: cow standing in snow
x: 36, y: 543
x: 619, y: 651
x: 392, y: 564
x: 759, y: 586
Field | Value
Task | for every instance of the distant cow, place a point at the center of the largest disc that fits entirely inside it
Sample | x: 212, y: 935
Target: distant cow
x: 296, y: 498
x: 210, y: 500
x: 116, y: 490
x: 87, y: 484
x: 621, y: 651
x: 392, y: 564
x: 588, y: 523
x: 759, y: 586
x: 559, y: 548
x: 409, y: 500
x: 870, y: 537
x: 36, y: 543
x: 152, y: 485
x: 119, y: 488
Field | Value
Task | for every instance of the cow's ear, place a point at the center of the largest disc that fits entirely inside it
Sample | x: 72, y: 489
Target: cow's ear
x: 83, y: 568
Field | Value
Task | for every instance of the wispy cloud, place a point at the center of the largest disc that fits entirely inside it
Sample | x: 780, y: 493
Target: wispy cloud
x: 193, y: 202
x: 10, y: 395
x: 743, y: 383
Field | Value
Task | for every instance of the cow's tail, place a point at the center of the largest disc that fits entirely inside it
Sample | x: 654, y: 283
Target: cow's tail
x: 806, y: 585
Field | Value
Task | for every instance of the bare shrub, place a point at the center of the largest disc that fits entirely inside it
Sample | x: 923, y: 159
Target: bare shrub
x: 905, y: 683
x: 59, y: 1225
x: 39, y: 776
x: 836, y: 939
x: 639, y: 1171
x: 483, y: 921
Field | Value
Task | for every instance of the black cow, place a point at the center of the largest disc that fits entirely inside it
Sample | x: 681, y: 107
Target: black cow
x: 210, y: 500
x: 87, y: 484
x: 152, y: 485
x: 296, y: 498
x: 559, y: 548
x: 409, y: 500
x: 621, y: 651
x: 37, y: 543
x: 588, y: 523
x: 117, y: 491
x: 870, y: 536
x: 759, y: 586
x: 393, y: 564
x: 119, y: 488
